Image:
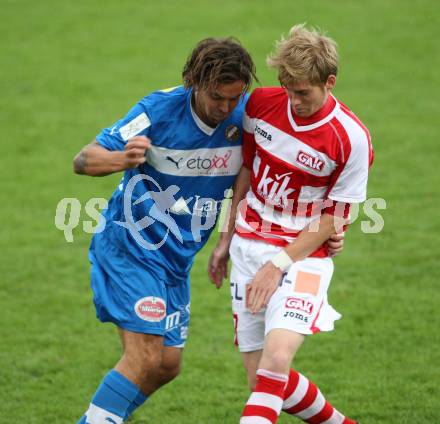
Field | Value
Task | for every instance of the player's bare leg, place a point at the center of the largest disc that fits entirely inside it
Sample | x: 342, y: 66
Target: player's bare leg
x: 278, y: 388
x: 146, y: 362
x: 280, y: 346
x: 251, y: 361
x: 145, y: 366
x: 169, y: 369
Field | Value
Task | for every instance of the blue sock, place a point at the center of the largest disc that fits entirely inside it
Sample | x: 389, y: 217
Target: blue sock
x: 112, y: 400
x: 140, y: 399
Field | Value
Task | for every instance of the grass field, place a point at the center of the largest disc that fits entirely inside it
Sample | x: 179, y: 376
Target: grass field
x: 70, y: 68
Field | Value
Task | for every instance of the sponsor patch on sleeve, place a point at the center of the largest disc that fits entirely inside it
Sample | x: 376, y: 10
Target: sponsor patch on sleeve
x: 135, y: 126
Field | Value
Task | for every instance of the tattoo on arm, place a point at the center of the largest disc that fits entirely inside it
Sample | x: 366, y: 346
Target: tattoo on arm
x: 81, y: 162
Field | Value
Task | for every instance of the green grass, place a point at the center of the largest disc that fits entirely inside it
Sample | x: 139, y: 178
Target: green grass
x: 70, y: 68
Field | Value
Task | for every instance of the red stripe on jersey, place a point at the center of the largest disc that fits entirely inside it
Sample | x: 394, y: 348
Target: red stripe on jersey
x: 253, y: 236
x: 270, y: 232
x: 339, y: 209
x: 320, y: 252
x: 254, y: 219
x: 344, y: 152
x: 365, y: 129
x: 248, y: 149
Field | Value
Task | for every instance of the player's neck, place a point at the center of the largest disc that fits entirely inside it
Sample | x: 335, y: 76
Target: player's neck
x: 202, y: 117
x: 326, y: 108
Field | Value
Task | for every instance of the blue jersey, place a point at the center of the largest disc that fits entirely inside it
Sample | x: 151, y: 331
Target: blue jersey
x: 163, y: 211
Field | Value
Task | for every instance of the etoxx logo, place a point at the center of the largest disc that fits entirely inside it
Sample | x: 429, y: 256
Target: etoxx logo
x: 312, y: 162
x: 200, y: 162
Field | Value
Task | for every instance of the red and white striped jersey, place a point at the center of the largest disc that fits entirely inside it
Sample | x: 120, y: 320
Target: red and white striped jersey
x: 300, y: 166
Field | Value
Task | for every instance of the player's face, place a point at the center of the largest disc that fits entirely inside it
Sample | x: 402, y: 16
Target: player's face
x: 306, y: 99
x: 214, y: 104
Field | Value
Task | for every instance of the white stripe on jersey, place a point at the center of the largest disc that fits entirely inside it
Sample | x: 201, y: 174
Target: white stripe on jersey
x: 248, y: 123
x: 269, y: 214
x: 287, y: 148
x: 220, y: 161
x: 351, y: 186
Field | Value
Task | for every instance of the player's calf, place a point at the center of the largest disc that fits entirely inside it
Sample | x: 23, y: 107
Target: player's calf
x: 168, y: 370
x: 142, y: 357
x: 304, y: 400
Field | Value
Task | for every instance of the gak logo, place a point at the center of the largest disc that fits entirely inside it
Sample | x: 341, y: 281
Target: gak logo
x: 299, y: 304
x: 312, y: 162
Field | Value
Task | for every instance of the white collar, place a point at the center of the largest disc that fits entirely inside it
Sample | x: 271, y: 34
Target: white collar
x: 301, y: 128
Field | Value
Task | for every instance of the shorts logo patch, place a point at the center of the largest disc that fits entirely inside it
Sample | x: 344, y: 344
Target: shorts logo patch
x: 151, y: 309
x: 299, y: 304
x: 306, y: 282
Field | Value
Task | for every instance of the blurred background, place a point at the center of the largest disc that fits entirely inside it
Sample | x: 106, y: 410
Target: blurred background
x: 69, y: 69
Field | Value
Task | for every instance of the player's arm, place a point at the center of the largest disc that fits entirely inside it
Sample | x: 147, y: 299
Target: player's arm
x: 240, y: 188
x: 96, y: 160
x: 267, y: 278
x: 218, y: 261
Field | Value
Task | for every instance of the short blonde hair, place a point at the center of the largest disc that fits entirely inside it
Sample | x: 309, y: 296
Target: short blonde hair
x: 305, y: 55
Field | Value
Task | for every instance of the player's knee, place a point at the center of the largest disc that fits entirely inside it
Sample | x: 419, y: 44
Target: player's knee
x: 278, y: 361
x: 143, y: 358
x: 170, y: 371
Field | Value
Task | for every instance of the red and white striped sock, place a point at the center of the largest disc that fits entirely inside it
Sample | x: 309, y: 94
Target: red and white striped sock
x: 264, y: 404
x: 304, y: 400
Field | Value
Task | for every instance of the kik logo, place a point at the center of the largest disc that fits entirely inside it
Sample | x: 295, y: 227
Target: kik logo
x: 275, y: 189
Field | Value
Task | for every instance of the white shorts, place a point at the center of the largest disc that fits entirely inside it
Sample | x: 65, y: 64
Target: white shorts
x: 299, y: 304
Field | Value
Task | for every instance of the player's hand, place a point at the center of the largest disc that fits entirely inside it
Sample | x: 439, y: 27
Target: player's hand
x: 262, y: 287
x: 335, y: 244
x: 218, y: 264
x: 135, y: 151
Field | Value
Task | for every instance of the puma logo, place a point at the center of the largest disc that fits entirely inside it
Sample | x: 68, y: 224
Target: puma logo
x: 176, y: 162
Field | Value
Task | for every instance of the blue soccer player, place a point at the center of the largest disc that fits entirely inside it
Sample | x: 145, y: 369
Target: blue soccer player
x: 180, y: 150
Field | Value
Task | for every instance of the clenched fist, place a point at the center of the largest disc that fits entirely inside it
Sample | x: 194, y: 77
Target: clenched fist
x: 135, y: 151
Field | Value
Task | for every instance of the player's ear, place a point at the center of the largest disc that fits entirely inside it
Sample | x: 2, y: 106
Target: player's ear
x: 331, y: 82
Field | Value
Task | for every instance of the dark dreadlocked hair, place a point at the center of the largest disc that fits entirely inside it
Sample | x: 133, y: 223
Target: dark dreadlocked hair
x: 218, y: 61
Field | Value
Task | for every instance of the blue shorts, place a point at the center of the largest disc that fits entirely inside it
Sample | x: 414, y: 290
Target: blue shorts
x: 137, y: 298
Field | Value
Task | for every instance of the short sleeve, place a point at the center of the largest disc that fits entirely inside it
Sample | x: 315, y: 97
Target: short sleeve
x: 350, y: 185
